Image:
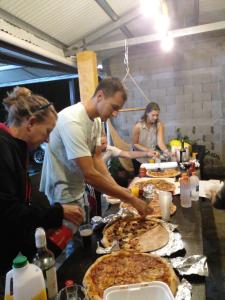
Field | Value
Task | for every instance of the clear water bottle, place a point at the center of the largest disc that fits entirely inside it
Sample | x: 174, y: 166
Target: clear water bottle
x: 194, y: 184
x: 45, y: 260
x: 185, y: 191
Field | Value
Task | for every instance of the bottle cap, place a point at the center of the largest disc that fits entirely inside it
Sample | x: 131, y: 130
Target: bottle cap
x: 20, y: 261
x: 69, y: 282
x: 40, y: 237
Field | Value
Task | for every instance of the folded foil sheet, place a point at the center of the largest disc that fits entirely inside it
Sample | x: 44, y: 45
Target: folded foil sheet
x: 184, y: 290
x: 122, y: 213
x: 195, y: 264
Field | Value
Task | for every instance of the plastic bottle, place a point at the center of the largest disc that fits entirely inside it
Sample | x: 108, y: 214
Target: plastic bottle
x: 71, y: 290
x: 194, y: 184
x: 45, y: 260
x: 25, y: 281
x: 185, y: 192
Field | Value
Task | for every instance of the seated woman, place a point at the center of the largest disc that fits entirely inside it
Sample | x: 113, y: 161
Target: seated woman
x: 31, y: 118
x: 148, y: 133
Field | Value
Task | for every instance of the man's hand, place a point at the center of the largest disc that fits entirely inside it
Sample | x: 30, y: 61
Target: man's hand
x: 73, y: 213
x: 141, y: 206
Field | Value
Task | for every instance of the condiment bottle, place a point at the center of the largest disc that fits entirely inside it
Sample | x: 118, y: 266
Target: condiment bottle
x: 185, y: 192
x: 142, y: 172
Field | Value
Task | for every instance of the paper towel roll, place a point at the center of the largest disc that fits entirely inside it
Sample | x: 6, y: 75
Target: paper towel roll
x: 163, y: 165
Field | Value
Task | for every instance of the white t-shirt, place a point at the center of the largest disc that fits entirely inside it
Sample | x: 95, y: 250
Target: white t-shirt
x: 74, y: 136
x: 111, y: 151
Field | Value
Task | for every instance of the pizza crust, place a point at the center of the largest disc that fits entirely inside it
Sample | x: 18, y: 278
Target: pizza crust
x: 152, y: 240
x: 126, y: 268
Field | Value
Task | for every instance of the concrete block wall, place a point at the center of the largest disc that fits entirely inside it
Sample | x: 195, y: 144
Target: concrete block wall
x: 187, y: 83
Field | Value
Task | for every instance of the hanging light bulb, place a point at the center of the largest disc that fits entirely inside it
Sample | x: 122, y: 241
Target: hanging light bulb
x: 167, y: 43
x: 162, y: 24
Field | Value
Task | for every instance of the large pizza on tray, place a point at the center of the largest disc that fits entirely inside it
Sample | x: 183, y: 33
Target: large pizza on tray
x: 136, y: 234
x: 124, y: 267
x: 159, y: 184
x: 163, y: 173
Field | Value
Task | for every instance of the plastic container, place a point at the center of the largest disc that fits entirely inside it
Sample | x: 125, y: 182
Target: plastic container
x: 155, y: 290
x: 194, y: 185
x: 185, y: 191
x: 25, y: 281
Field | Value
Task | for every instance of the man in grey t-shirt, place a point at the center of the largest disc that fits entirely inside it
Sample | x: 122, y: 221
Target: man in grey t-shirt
x: 73, y: 156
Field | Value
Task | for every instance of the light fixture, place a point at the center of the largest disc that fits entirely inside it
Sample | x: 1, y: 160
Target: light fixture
x: 150, y: 8
x: 167, y: 43
x: 162, y: 24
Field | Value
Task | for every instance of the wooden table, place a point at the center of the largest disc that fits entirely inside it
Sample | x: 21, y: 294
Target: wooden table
x: 189, y: 221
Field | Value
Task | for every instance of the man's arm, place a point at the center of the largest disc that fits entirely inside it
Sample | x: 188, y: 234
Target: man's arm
x: 105, y: 185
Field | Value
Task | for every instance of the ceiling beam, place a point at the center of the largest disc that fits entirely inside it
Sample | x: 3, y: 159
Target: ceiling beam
x: 29, y: 28
x: 6, y: 59
x: 157, y: 37
x: 128, y: 17
x: 113, y: 16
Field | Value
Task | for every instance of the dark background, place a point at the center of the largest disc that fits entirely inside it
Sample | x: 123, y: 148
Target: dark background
x: 55, y: 91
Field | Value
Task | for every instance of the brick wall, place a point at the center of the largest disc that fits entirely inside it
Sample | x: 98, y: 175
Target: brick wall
x: 187, y: 83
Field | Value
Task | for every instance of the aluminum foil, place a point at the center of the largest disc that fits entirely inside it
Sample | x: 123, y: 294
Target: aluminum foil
x: 98, y: 221
x: 184, y: 290
x: 195, y: 264
x: 101, y: 250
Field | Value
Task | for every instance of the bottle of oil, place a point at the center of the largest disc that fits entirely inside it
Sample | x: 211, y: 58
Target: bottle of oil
x: 45, y: 260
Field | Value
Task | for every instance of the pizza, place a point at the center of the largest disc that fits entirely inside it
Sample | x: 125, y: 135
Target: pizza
x: 154, y: 205
x: 163, y: 173
x: 124, y: 267
x: 159, y: 184
x: 136, y: 234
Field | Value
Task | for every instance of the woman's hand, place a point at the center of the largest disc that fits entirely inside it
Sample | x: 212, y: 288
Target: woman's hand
x: 73, y: 214
x: 152, y: 153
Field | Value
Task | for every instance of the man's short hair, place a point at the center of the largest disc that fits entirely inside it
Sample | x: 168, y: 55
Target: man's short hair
x: 110, y: 86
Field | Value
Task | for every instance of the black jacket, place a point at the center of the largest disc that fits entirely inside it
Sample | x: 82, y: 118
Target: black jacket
x: 18, y: 216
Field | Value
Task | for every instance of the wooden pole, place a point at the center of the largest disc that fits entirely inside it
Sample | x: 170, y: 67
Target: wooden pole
x: 88, y: 75
x: 131, y: 109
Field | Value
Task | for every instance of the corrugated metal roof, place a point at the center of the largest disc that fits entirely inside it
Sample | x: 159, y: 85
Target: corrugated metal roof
x: 65, y: 20
x: 122, y: 6
x: 64, y: 23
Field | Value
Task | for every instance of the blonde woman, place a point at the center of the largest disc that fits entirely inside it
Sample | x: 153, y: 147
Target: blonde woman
x: 31, y: 118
